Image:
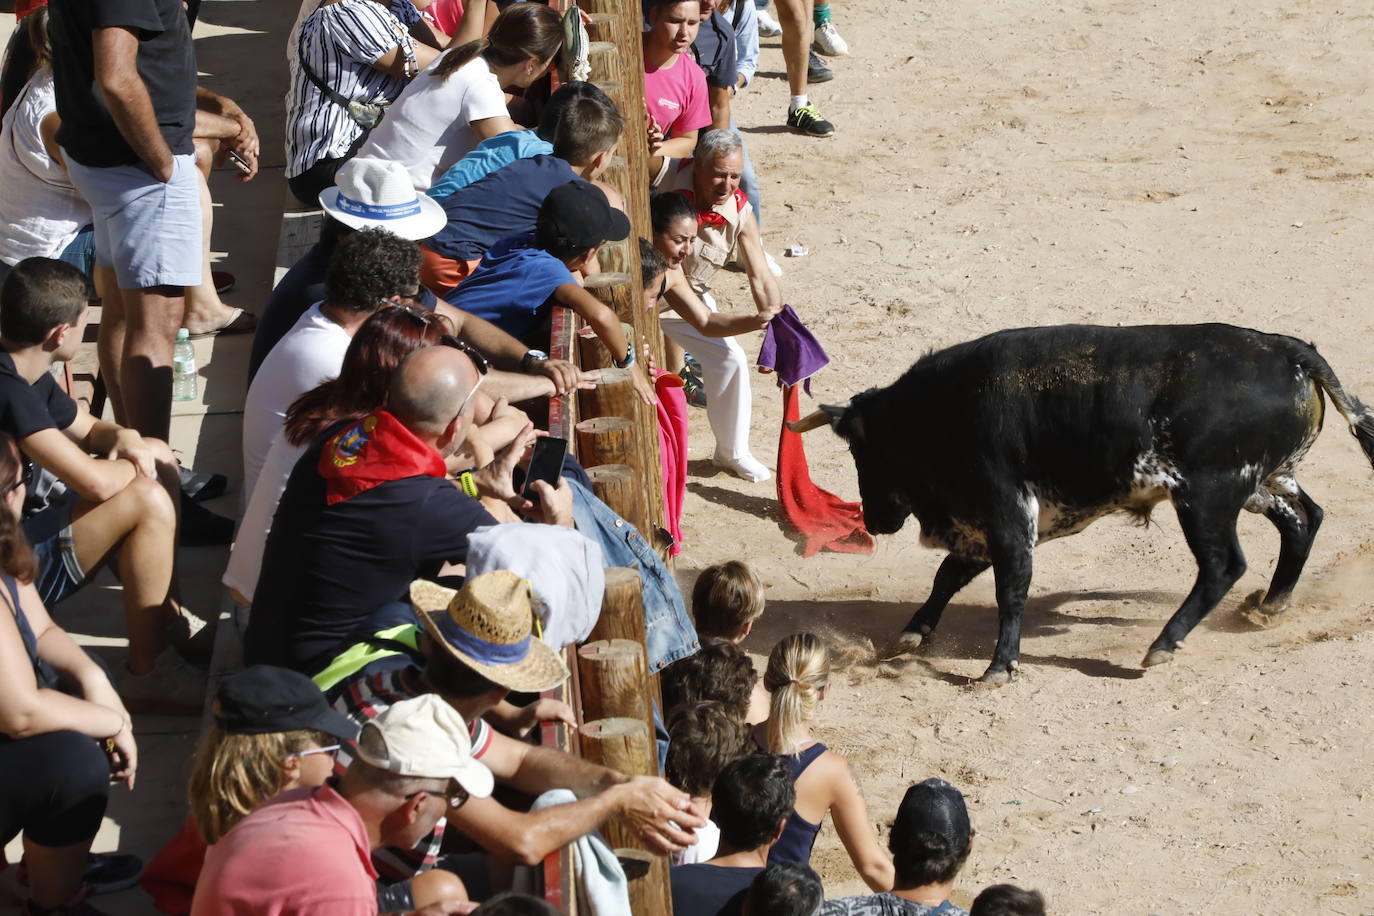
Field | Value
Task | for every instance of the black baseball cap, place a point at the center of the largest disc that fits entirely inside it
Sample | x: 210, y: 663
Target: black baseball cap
x: 578, y: 215
x: 934, y: 806
x: 264, y: 698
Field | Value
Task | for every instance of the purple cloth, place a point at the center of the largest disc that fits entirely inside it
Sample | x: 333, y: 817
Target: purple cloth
x: 791, y: 350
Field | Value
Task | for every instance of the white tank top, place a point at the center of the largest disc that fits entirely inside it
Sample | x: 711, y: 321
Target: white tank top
x: 40, y: 211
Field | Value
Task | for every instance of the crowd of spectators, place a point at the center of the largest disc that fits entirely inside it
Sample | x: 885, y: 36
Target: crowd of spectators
x: 408, y: 591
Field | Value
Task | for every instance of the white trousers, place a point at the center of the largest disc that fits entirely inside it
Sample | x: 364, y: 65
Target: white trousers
x: 725, y: 378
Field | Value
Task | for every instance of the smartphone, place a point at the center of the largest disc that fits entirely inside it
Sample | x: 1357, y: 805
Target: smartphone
x: 239, y: 162
x: 546, y: 464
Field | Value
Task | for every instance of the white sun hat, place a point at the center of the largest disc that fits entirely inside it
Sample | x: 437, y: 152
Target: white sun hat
x: 427, y: 738
x: 378, y: 193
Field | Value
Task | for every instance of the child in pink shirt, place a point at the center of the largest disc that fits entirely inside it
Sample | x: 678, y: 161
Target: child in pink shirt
x: 674, y: 85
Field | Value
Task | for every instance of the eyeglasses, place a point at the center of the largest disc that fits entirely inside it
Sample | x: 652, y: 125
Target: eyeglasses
x: 478, y: 360
x: 453, y: 802
x: 331, y: 750
x: 25, y: 478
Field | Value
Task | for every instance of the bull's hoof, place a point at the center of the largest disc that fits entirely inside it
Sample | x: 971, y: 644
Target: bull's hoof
x: 1261, y: 613
x: 1158, y: 657
x: 910, y: 642
x: 995, y: 677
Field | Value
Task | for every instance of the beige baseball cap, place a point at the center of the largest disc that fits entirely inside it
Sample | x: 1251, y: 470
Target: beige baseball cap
x: 427, y: 738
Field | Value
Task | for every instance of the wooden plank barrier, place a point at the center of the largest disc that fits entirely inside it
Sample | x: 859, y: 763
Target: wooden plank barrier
x: 620, y: 486
x: 614, y: 677
x: 605, y: 440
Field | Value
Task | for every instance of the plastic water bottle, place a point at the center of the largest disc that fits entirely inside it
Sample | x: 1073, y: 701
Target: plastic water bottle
x: 183, y: 368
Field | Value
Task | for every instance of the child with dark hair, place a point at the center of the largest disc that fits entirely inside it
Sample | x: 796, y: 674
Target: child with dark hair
x: 930, y: 842
x: 750, y: 803
x: 718, y: 671
x: 1008, y: 900
x: 702, y: 740
x: 785, y: 889
x: 521, y: 278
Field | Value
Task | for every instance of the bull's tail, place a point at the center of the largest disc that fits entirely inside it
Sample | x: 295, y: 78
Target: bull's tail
x: 1359, y: 417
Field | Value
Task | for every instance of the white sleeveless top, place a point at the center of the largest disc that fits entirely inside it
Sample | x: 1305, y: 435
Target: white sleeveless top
x: 40, y: 211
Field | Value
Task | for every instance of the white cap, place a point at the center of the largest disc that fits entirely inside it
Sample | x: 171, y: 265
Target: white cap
x: 378, y: 193
x: 426, y: 738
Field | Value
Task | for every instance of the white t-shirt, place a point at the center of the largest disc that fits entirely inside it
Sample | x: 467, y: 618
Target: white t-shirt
x: 708, y: 841
x: 428, y: 128
x: 245, y: 558
x: 41, y: 212
x: 310, y: 353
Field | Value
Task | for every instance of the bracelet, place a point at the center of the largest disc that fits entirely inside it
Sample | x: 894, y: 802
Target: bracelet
x: 468, y: 483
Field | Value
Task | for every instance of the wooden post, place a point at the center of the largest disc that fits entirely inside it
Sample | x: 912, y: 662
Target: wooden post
x: 614, y: 290
x: 621, y: 487
x: 626, y: 745
x: 605, y: 440
x: 593, y: 352
x: 614, y: 396
x: 622, y: 607
x: 615, y: 680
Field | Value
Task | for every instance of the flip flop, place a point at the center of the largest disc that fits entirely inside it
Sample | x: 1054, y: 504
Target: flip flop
x: 240, y: 322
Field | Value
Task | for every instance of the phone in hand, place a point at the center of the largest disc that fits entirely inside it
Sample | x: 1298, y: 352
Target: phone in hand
x: 546, y: 464
x: 240, y: 163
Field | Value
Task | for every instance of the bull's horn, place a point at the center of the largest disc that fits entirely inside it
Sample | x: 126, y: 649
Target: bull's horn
x: 813, y: 420
x: 826, y: 414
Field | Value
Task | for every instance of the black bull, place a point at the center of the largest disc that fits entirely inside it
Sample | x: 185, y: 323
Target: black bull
x: 1027, y: 435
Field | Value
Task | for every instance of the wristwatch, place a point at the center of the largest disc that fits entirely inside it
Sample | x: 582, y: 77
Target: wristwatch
x: 628, y: 361
x: 530, y: 358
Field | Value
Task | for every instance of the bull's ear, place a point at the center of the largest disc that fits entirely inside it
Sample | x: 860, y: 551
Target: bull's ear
x: 843, y: 421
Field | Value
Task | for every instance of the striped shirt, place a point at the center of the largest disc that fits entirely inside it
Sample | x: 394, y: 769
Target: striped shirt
x: 341, y: 41
x: 367, y: 698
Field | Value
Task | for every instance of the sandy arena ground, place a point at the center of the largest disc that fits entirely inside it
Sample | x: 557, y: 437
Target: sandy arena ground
x: 1017, y: 163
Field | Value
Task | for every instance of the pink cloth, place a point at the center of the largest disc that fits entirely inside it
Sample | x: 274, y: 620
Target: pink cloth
x: 676, y: 96
x: 446, y: 15
x: 672, y: 452
x: 170, y: 879
x: 304, y: 853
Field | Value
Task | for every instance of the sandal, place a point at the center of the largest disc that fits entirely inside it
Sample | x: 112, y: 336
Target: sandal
x: 240, y: 322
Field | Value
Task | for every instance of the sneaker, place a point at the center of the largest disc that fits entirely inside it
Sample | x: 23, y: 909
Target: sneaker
x: 193, y: 638
x: 807, y: 120
x: 202, y: 485
x: 817, y: 71
x: 172, y: 688
x: 105, y: 873
x: 768, y: 26
x: 745, y: 466
x: 202, y: 528
x: 827, y: 41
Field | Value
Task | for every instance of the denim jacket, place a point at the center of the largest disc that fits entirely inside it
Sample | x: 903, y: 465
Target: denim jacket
x: 668, y: 630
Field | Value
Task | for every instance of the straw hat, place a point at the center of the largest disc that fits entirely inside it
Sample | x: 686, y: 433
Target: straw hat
x: 487, y: 625
x: 378, y: 193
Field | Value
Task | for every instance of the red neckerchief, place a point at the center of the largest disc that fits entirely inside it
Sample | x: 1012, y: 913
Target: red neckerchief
x: 709, y: 216
x: 372, y: 451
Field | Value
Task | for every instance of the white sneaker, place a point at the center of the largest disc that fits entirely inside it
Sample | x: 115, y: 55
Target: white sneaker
x: 773, y: 266
x: 827, y: 41
x: 745, y: 466
x: 173, y: 687
x: 768, y: 26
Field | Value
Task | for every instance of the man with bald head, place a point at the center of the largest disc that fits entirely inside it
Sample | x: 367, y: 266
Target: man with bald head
x: 368, y: 509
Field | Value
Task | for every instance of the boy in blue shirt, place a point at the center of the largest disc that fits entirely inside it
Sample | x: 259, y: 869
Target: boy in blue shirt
x: 522, y: 278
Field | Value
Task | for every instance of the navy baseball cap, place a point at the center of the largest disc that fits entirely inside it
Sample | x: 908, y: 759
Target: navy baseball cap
x: 934, y: 806
x: 578, y: 215
x: 264, y: 698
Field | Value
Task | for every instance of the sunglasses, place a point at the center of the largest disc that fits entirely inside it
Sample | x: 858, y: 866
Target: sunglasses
x: 331, y: 750
x: 25, y: 478
x: 478, y: 360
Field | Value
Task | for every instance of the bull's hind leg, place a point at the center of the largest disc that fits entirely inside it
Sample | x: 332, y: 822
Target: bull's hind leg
x: 954, y: 573
x: 1297, y: 518
x: 1208, y: 519
x: 1012, y: 562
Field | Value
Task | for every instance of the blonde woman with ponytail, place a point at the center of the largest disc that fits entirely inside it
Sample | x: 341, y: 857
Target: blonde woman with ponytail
x: 460, y: 100
x: 797, y: 679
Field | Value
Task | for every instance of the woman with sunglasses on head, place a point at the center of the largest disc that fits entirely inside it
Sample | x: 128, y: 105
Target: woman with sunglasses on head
x: 58, y: 750
x: 272, y: 732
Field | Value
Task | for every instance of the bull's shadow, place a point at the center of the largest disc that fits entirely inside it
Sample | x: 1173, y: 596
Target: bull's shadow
x: 967, y: 631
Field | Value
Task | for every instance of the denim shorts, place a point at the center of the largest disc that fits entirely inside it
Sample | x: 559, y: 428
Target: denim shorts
x: 149, y: 231
x: 59, y: 572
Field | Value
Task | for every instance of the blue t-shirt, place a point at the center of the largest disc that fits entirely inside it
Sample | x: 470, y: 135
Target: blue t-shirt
x: 501, y: 204
x: 491, y: 154
x: 513, y: 287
